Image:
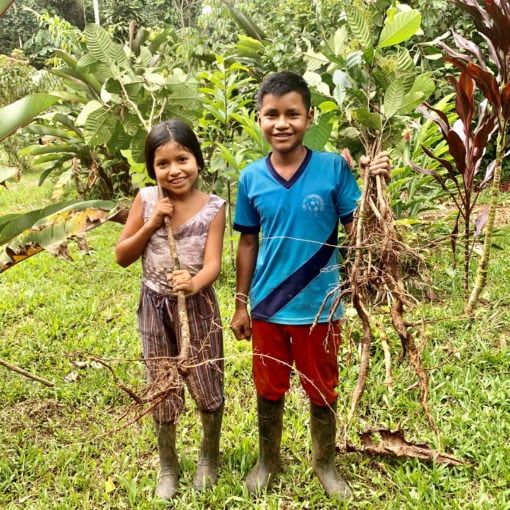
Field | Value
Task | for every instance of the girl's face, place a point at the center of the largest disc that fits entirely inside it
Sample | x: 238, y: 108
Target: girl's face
x: 176, y: 168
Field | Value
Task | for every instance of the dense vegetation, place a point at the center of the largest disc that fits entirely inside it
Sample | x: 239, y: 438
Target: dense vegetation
x: 76, y: 100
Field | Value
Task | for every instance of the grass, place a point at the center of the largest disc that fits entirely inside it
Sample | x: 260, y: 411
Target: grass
x: 70, y: 446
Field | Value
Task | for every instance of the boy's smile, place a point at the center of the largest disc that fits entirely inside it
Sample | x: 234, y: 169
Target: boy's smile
x: 284, y: 121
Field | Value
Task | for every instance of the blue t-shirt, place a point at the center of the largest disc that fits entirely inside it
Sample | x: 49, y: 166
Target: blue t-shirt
x: 297, y: 263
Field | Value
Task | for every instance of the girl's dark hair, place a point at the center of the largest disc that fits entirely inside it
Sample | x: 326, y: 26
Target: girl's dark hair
x: 171, y: 130
x: 282, y: 83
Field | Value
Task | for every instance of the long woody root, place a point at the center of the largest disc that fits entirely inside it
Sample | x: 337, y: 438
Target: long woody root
x: 378, y: 266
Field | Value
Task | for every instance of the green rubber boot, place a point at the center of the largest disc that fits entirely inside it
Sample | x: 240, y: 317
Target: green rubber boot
x: 207, y: 468
x: 323, y: 428
x: 169, y: 463
x: 270, y: 422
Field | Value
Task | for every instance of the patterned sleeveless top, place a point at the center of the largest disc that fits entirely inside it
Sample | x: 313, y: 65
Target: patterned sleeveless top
x: 190, y: 239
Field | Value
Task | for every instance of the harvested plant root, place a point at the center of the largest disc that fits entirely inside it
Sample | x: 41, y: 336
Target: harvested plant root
x: 374, y: 266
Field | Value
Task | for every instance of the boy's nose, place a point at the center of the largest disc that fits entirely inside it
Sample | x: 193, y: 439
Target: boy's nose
x: 281, y: 122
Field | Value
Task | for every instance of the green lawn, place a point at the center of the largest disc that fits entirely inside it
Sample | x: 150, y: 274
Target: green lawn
x: 75, y: 445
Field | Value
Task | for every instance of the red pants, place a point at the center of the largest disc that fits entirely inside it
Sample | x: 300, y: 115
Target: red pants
x: 277, y: 346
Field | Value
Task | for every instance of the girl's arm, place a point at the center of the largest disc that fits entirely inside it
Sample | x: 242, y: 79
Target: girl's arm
x: 136, y: 234
x: 181, y: 279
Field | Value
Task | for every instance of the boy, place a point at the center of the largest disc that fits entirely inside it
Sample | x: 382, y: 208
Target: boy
x: 295, y: 197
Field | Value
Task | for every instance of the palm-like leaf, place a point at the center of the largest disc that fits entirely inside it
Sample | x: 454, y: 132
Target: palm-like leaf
x: 358, y: 26
x: 21, y: 112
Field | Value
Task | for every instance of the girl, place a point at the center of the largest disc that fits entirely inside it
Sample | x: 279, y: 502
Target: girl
x: 173, y: 157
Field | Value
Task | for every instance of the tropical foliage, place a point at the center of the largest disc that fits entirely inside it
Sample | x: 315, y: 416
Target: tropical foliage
x: 480, y: 118
x: 369, y: 65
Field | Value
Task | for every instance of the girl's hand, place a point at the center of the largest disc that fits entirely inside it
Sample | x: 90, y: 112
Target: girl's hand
x: 163, y: 207
x: 181, y: 280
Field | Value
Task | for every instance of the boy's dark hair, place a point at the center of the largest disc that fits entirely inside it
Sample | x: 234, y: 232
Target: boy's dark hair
x: 175, y: 130
x: 282, y: 83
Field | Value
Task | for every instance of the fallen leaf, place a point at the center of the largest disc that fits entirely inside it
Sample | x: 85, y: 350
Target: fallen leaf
x: 394, y: 444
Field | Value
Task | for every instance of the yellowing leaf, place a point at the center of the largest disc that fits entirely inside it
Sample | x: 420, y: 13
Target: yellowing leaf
x: 109, y: 485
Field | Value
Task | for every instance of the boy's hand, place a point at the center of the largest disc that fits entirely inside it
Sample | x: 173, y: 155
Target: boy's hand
x: 241, y: 324
x: 379, y: 165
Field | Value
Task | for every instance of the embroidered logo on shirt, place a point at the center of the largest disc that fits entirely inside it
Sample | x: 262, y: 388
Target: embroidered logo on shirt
x: 313, y: 204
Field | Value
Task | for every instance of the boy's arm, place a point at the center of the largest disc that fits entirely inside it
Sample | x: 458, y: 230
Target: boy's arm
x: 246, y: 259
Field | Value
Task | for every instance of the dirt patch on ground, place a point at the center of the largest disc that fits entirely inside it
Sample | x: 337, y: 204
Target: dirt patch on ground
x: 444, y: 211
x: 503, y: 214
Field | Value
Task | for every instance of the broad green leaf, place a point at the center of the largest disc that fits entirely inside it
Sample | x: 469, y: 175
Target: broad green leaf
x: 19, y: 113
x: 410, y: 102
x: 358, y: 26
x: 402, y: 27
x: 249, y: 47
x: 99, y: 127
x: 404, y: 61
x: 425, y: 84
x: 318, y: 135
x: 315, y: 80
x: 52, y: 148
x: 51, y: 234
x: 315, y: 60
x: 4, y: 5
x: 104, y: 49
x: 247, y: 24
x: 367, y: 119
x: 13, y: 224
x: 8, y: 172
x: 393, y: 98
x: 339, y: 40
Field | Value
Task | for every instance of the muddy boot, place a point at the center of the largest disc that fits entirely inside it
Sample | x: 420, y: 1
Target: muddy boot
x: 270, y: 421
x: 207, y: 468
x: 323, y: 428
x: 167, y: 485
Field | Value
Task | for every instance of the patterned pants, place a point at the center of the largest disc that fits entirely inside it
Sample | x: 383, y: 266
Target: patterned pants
x: 161, y: 340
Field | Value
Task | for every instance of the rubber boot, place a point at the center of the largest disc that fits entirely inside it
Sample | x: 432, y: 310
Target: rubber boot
x: 169, y: 463
x: 323, y: 428
x: 207, y: 468
x: 270, y: 422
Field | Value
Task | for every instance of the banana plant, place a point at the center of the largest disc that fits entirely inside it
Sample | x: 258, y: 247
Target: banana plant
x: 117, y: 92
x: 113, y: 95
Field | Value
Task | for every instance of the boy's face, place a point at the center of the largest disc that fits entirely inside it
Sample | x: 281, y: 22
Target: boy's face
x: 284, y: 121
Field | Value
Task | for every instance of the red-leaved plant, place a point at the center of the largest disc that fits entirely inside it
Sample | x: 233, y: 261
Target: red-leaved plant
x: 483, y: 107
